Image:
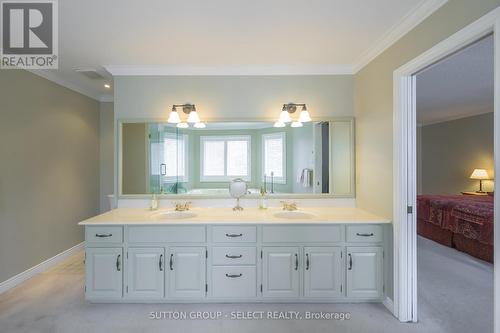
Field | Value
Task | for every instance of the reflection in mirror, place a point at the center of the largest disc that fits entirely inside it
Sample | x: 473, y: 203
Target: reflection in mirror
x: 160, y: 158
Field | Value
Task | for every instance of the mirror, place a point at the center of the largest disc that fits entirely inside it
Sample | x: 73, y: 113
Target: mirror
x: 317, y: 158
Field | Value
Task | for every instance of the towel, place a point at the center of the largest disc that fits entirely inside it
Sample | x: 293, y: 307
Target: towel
x: 305, y: 177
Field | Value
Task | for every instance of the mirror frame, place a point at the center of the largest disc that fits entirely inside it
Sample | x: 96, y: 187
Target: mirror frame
x: 118, y: 163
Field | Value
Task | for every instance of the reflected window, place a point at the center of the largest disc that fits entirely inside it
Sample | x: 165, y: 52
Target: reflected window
x: 274, y: 159
x: 224, y: 158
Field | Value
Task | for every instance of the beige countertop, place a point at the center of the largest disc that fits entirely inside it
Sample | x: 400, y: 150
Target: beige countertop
x: 209, y: 215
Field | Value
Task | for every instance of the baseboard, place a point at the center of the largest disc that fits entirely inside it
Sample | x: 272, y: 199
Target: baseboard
x: 388, y: 304
x: 41, y: 267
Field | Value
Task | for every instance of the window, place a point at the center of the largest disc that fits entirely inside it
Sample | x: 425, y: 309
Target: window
x: 169, y: 158
x: 274, y: 156
x: 224, y: 158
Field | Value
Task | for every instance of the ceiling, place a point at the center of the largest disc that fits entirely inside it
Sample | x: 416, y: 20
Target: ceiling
x: 458, y: 86
x: 226, y: 37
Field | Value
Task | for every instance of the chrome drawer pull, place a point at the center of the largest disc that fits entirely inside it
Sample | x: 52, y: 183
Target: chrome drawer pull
x: 364, y: 235
x: 234, y: 257
x: 234, y: 275
x: 103, y: 235
x: 234, y: 235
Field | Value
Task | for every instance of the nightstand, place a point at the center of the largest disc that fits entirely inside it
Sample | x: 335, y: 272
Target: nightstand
x: 474, y: 193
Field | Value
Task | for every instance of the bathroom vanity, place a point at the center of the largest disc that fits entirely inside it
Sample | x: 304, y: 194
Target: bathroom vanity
x: 218, y: 255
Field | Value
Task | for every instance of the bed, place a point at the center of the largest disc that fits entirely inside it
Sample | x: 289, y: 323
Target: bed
x: 464, y: 222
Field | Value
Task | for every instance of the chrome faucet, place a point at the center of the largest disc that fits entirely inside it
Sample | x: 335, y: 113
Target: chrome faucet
x: 181, y: 207
x: 289, y: 206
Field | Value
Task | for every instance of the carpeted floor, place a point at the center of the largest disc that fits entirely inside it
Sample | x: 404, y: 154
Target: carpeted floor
x: 455, y: 295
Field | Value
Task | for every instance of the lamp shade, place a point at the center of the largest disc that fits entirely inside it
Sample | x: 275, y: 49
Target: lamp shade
x: 193, y: 117
x: 174, y: 118
x: 479, y: 174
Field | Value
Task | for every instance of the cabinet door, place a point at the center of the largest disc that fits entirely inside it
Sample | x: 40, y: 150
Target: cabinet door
x: 103, y: 270
x: 323, y: 271
x: 146, y: 272
x: 364, y: 272
x: 280, y: 272
x: 186, y: 267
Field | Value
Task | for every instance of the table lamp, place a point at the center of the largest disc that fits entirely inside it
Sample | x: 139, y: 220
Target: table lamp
x: 480, y: 174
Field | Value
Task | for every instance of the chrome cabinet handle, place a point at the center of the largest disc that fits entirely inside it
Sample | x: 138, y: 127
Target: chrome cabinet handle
x: 307, y: 261
x: 234, y: 257
x: 350, y: 262
x: 172, y: 262
x: 234, y: 275
x: 118, y: 263
x: 103, y: 235
x: 160, y: 264
x: 234, y: 235
x: 364, y: 235
x: 163, y: 169
x: 296, y: 261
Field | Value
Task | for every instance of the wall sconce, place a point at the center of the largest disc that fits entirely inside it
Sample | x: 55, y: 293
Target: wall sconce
x: 190, y: 110
x: 285, y: 115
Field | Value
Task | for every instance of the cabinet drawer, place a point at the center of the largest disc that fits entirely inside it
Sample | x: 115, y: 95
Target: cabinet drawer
x: 364, y: 233
x: 232, y: 234
x: 309, y: 233
x: 166, y: 234
x: 234, y: 281
x: 104, y: 234
x: 234, y: 255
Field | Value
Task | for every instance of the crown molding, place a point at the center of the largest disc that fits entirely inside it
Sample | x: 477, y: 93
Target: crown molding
x: 56, y: 78
x: 229, y: 70
x: 405, y: 25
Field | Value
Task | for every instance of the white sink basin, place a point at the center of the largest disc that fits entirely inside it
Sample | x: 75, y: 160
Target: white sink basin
x: 294, y: 215
x: 173, y: 215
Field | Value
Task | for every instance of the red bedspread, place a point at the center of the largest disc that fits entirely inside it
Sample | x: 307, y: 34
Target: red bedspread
x: 467, y: 215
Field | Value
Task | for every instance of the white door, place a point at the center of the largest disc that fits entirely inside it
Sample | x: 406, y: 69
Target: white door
x: 364, y: 272
x: 146, y: 272
x: 281, y: 272
x: 186, y: 267
x: 103, y: 270
x: 323, y: 271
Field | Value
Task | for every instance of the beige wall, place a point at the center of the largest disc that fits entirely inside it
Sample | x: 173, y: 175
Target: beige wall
x: 134, y: 158
x: 452, y: 150
x: 232, y: 97
x: 49, y: 169
x: 106, y: 154
x: 373, y: 99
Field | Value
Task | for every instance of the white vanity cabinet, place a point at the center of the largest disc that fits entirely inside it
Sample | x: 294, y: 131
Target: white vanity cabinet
x: 261, y: 262
x: 323, y: 271
x: 280, y: 272
x: 103, y: 273
x: 145, y: 272
x: 186, y: 272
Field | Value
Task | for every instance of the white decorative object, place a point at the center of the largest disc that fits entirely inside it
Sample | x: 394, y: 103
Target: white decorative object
x: 238, y: 188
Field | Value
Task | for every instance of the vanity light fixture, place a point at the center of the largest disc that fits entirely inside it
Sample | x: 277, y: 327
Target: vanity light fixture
x: 285, y: 115
x: 190, y: 110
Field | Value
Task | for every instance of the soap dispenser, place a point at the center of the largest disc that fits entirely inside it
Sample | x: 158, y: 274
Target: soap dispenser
x: 263, y: 200
x: 154, y: 202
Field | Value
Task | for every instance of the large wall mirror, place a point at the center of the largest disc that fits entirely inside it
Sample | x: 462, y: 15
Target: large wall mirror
x: 317, y: 158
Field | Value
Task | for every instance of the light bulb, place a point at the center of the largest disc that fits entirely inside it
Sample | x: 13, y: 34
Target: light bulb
x: 285, y: 117
x: 304, y: 116
x: 174, y: 118
x: 200, y: 125
x: 193, y: 117
x: 279, y: 124
x: 296, y: 124
x: 182, y: 125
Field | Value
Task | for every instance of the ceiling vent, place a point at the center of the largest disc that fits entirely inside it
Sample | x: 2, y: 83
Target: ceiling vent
x: 91, y: 73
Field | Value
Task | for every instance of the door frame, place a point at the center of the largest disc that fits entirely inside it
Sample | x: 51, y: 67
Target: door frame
x: 404, y: 163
